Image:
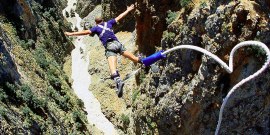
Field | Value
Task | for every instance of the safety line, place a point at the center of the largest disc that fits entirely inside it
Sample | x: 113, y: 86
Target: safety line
x: 229, y: 68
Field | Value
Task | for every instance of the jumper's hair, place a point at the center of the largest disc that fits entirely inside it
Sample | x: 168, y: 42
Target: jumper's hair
x: 98, y: 19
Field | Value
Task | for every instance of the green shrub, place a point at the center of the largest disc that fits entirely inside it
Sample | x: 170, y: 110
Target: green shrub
x: 53, y: 12
x: 30, y: 98
x: 78, y: 118
x: 46, y: 14
x: 169, y: 36
x: 185, y: 3
x: 14, y: 93
x: 64, y: 103
x: 142, y: 76
x: 150, y: 123
x: 171, y: 17
x: 3, y: 111
x: 27, y: 94
x: 27, y: 45
x: 51, y: 92
x: 11, y: 87
x: 53, y: 71
x: 258, y: 51
x: 203, y: 4
x: 125, y: 119
x: 78, y: 125
x: 23, y: 44
x: 26, y: 111
x: 31, y: 43
x: 36, y: 6
x: 135, y: 95
x: 41, y: 58
x: 55, y: 82
x: 80, y: 103
x: 3, y: 59
x: 27, y: 123
x: 3, y: 95
x: 38, y: 103
x: 76, y: 115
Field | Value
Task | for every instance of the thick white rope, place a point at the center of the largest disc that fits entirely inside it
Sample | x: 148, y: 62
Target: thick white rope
x: 229, y: 68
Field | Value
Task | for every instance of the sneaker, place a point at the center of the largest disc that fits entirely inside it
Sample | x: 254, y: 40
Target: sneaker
x: 119, y: 90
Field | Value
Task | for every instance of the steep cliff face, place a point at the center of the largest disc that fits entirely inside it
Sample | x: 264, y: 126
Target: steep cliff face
x: 112, y: 8
x: 39, y: 19
x: 35, y: 94
x: 84, y: 7
x: 16, y: 9
x: 150, y: 23
x: 8, y: 68
x: 186, y: 95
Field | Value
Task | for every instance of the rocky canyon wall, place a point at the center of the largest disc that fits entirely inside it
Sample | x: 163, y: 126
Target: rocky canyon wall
x: 186, y: 95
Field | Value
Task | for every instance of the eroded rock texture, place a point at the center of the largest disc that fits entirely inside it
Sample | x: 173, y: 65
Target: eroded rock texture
x: 186, y: 95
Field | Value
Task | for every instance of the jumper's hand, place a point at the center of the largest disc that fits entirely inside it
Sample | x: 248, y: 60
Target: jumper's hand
x: 122, y: 15
x: 68, y: 33
x: 131, y: 7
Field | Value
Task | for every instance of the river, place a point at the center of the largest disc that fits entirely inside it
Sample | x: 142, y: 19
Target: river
x: 82, y: 79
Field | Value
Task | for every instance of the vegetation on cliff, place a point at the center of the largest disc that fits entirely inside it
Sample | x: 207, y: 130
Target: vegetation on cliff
x: 36, y: 96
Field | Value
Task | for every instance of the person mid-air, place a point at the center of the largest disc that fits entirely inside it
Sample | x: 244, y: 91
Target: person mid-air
x: 111, y: 44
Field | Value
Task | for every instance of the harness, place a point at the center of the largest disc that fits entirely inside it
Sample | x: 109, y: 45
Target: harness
x: 104, y: 29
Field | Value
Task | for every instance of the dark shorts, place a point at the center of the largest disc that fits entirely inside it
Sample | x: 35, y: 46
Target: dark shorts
x: 114, y: 47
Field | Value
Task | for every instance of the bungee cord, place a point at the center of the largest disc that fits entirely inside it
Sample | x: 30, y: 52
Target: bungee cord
x: 229, y: 68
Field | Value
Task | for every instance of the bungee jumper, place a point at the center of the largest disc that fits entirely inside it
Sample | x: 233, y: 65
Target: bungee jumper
x: 114, y: 47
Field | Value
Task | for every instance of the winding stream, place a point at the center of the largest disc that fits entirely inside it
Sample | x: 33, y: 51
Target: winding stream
x: 82, y: 79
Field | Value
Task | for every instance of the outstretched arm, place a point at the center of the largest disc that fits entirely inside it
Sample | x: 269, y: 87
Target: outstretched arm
x: 79, y: 33
x: 130, y: 8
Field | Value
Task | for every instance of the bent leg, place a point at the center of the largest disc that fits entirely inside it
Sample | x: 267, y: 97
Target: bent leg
x: 131, y: 56
x: 112, y: 60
